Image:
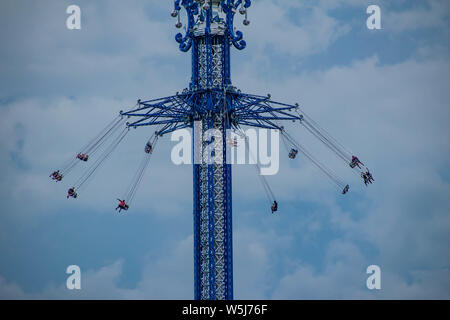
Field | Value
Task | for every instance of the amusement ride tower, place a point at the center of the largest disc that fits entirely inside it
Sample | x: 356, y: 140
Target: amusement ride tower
x: 212, y: 107
x: 211, y: 102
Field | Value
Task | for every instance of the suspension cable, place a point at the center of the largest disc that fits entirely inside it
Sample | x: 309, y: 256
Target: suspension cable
x: 138, y: 176
x: 326, y: 142
x: 324, y: 134
x: 94, y: 144
x: 267, y: 189
x: 89, y: 173
x: 100, y: 141
x: 315, y: 161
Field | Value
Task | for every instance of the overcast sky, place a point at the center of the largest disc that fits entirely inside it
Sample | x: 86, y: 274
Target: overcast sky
x: 383, y: 93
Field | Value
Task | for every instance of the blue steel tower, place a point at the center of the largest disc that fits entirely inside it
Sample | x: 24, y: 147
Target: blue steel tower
x: 211, y: 102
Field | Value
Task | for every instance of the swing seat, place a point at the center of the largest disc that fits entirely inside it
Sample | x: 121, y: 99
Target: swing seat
x: 72, y: 194
x: 346, y: 188
x: 293, y: 153
x: 83, y: 157
x: 274, y: 207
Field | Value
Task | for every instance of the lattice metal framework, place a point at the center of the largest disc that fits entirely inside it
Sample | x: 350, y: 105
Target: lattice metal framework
x: 211, y: 102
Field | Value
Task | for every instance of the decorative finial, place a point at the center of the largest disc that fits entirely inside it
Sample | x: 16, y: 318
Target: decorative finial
x: 206, y: 17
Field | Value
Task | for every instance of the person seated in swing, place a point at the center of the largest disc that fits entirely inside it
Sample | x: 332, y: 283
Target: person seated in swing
x: 71, y: 193
x: 148, y: 148
x: 355, y: 162
x: 83, y: 157
x: 56, y: 176
x: 369, y: 176
x: 122, y: 205
x: 274, y: 207
x: 346, y: 188
x: 364, y: 176
x: 293, y: 153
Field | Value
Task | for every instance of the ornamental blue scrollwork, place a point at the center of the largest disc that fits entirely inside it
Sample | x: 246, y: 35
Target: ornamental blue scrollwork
x: 202, y: 13
x: 192, y: 11
x: 230, y: 7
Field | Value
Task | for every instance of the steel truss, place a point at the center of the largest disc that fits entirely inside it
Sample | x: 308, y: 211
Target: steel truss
x: 211, y: 102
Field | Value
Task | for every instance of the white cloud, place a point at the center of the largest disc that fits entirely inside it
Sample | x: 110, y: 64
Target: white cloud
x: 167, y: 278
x: 275, y: 30
x: 395, y: 116
x: 10, y: 290
x: 398, y: 123
x: 434, y: 14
